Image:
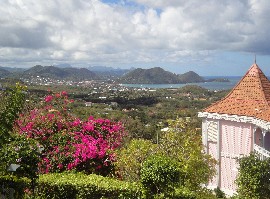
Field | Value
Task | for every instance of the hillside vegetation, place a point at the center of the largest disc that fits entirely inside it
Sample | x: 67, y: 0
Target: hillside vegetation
x: 158, y: 75
x: 59, y: 73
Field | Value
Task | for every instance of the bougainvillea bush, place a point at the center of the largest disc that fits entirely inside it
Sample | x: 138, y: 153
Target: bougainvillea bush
x: 68, y: 143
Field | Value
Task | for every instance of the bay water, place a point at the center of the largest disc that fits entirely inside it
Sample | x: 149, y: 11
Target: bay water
x: 233, y: 80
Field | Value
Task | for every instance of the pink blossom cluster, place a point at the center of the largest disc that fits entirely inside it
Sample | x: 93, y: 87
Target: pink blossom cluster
x: 68, y: 142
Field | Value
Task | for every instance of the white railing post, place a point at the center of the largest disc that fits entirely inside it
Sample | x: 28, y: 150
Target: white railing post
x: 263, y: 153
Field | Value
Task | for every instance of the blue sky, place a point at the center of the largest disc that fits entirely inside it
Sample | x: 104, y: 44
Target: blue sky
x: 210, y: 37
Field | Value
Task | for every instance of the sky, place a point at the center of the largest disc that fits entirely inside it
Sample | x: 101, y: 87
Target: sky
x: 210, y: 37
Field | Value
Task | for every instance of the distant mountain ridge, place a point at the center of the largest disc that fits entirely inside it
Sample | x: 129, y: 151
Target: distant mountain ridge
x: 190, y: 77
x: 60, y: 73
x: 108, y: 72
x: 155, y: 75
x: 4, y: 72
x: 158, y: 75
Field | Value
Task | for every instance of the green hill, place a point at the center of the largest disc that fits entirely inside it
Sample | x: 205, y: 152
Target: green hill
x: 4, y: 72
x: 59, y: 73
x: 149, y: 76
x: 158, y: 75
x: 190, y: 77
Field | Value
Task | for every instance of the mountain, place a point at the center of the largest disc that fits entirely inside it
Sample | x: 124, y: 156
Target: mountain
x: 106, y: 72
x: 60, y: 73
x: 100, y: 68
x: 155, y: 75
x: 190, y: 77
x: 158, y: 75
x: 4, y: 72
x: 80, y: 73
x: 13, y: 69
x: 45, y: 71
x: 65, y: 65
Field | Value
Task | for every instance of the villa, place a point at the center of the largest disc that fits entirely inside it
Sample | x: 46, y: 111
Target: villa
x: 237, y: 125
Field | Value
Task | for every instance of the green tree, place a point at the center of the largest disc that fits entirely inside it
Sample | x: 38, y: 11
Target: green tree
x: 22, y: 151
x: 12, y: 101
x: 184, y: 144
x: 160, y: 175
x: 254, y: 177
x: 131, y: 157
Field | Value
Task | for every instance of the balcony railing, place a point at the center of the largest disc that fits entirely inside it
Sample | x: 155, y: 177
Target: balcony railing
x: 263, y: 153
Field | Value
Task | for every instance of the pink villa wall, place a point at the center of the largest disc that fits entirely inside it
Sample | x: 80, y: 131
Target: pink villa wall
x: 235, y: 140
x: 212, y: 149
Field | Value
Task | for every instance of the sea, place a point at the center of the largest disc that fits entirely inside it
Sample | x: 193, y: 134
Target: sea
x: 215, y: 86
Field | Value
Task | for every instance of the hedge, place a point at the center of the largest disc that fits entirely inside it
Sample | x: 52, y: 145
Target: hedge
x: 79, y: 185
x: 82, y: 186
x: 20, y: 185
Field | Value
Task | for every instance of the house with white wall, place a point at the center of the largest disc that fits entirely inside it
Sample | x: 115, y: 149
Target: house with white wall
x: 237, y: 125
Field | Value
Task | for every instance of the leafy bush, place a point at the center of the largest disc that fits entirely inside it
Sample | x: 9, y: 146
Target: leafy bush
x: 79, y: 185
x: 253, y: 180
x: 160, y: 175
x: 21, y: 151
x: 184, y: 144
x: 11, y: 103
x: 219, y: 193
x: 69, y: 143
x: 131, y: 157
x: 22, y: 186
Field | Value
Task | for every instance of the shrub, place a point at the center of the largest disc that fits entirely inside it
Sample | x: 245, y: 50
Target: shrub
x: 131, y: 157
x: 22, y: 186
x: 219, y: 193
x: 184, y: 144
x: 11, y: 104
x: 160, y: 175
x: 22, y: 151
x: 253, y: 180
x: 79, y: 185
x: 69, y: 143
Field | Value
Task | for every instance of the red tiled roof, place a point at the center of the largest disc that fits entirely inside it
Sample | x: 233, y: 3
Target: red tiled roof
x: 250, y: 97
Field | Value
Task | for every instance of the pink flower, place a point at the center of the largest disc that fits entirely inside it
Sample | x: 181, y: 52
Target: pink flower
x: 60, y: 166
x: 70, y: 143
x: 64, y: 93
x: 70, y: 166
x: 48, y: 98
x: 88, y: 126
x: 76, y: 122
x: 90, y: 118
x: 29, y: 126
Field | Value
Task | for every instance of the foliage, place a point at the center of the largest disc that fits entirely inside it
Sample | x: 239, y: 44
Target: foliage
x: 183, y: 192
x: 131, y: 157
x: 184, y: 144
x: 155, y: 75
x: 12, y: 101
x: 219, y: 193
x: 67, y: 142
x: 22, y: 151
x: 253, y: 180
x: 160, y: 174
x: 22, y: 186
x: 140, y: 110
x: 79, y: 185
x: 158, y: 75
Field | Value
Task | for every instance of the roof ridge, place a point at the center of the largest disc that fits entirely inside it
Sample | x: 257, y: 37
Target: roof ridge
x: 263, y: 90
x: 249, y: 97
x: 228, y: 95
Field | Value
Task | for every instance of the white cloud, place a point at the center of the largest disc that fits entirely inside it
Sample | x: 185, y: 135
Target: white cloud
x: 161, y: 3
x: 91, y: 31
